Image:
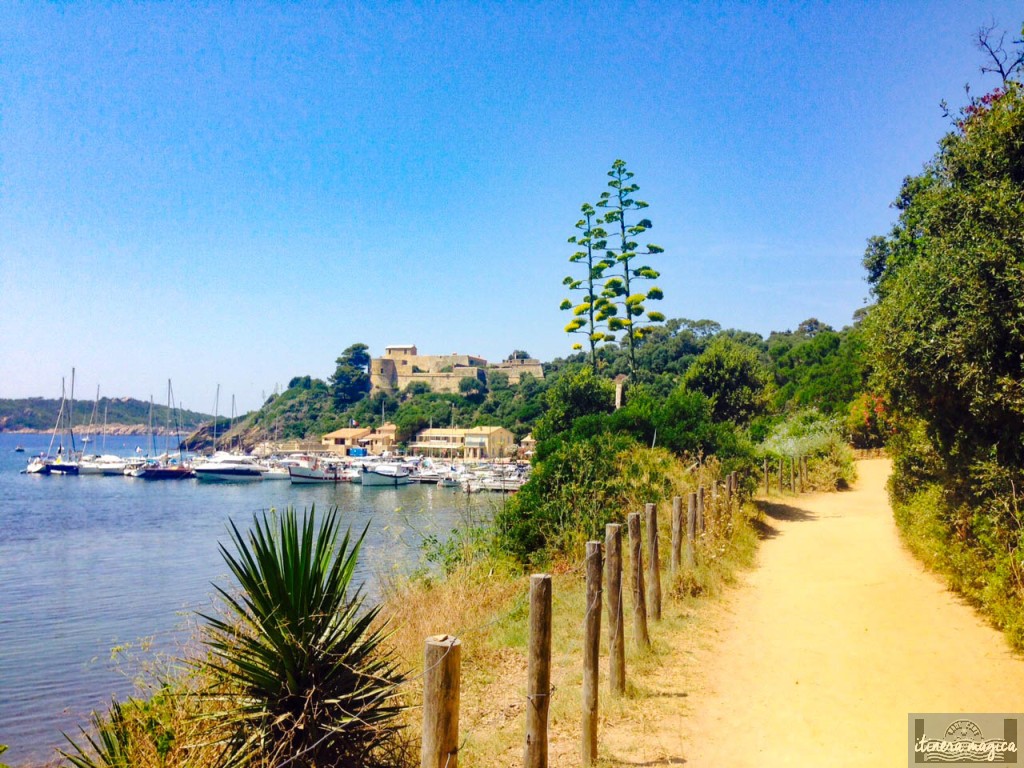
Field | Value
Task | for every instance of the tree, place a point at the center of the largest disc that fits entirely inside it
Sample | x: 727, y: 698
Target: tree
x: 1007, y: 64
x: 732, y: 376
x: 357, y: 355
x: 947, y: 334
x: 576, y: 393
x: 473, y: 389
x: 619, y: 288
x: 811, y: 327
x: 350, y: 381
x: 497, y: 380
x: 595, y: 308
x: 416, y: 388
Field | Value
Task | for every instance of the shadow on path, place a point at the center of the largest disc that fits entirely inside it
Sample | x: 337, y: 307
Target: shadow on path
x: 777, y: 511
x: 662, y: 761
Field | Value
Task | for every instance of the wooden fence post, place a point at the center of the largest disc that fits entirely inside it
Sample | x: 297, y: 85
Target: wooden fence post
x: 766, y: 489
x: 792, y: 474
x: 677, y: 533
x: 780, y: 475
x: 803, y: 471
x: 616, y: 638
x: 691, y: 528
x: 442, y: 662
x: 700, y: 510
x: 538, y: 674
x: 653, y: 563
x: 591, y: 652
x: 636, y: 569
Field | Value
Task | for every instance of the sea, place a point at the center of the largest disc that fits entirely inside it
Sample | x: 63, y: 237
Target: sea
x: 102, y: 576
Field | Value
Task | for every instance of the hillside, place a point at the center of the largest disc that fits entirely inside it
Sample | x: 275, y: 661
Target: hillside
x: 123, y: 414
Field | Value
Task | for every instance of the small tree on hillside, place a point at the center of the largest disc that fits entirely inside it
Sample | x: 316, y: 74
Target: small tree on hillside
x: 350, y: 381
x: 595, y: 308
x: 622, y: 289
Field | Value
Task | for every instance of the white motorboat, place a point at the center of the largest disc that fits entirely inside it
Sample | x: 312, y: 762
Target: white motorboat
x: 319, y: 471
x: 385, y: 474
x: 276, y: 472
x: 224, y: 467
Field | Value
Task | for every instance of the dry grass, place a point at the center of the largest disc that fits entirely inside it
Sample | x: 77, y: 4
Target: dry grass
x: 488, y: 610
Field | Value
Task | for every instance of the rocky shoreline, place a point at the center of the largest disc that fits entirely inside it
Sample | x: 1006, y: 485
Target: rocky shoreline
x: 110, y: 429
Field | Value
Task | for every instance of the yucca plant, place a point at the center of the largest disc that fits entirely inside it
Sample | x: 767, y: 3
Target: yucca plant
x: 303, y: 674
x: 110, y: 747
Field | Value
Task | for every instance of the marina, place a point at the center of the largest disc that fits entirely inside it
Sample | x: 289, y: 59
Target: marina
x: 95, y: 562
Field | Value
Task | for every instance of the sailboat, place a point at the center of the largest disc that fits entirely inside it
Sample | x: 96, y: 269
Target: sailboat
x: 66, y: 462
x: 100, y: 464
x: 164, y: 467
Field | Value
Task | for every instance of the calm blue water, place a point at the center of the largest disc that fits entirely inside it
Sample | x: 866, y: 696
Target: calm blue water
x: 89, y: 563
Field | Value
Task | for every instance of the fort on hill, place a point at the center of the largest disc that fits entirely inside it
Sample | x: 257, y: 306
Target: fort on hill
x: 402, y: 365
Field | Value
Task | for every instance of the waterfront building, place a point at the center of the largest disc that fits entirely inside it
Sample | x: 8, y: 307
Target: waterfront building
x: 342, y: 440
x: 476, y: 443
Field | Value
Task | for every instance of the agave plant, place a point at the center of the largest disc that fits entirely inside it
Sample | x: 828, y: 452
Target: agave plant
x: 302, y: 672
x: 110, y: 747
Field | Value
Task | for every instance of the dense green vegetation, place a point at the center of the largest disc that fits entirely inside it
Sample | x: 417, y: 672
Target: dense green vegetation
x: 947, y: 343
x: 40, y: 414
x: 745, y: 378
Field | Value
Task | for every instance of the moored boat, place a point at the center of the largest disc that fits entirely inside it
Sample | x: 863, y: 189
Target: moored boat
x: 107, y: 464
x: 388, y: 474
x: 163, y: 468
x: 38, y: 465
x: 229, y: 468
x: 317, y: 470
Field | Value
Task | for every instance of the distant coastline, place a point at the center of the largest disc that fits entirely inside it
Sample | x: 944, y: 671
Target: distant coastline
x: 111, y: 429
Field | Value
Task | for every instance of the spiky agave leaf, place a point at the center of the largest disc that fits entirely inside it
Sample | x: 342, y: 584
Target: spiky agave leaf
x: 302, y: 670
x: 110, y: 747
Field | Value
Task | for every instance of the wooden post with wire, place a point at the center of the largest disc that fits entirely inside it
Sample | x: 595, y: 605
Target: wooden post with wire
x: 780, y: 475
x: 766, y: 488
x: 691, y: 529
x: 636, y: 569
x: 538, y: 673
x: 591, y: 652
x: 653, y: 562
x: 441, y: 679
x: 616, y: 637
x: 700, y: 511
x: 792, y: 474
x: 677, y: 533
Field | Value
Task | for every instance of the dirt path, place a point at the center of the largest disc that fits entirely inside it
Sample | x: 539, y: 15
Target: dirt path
x: 820, y: 654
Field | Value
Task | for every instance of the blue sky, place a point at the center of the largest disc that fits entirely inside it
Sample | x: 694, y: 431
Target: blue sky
x: 233, y: 193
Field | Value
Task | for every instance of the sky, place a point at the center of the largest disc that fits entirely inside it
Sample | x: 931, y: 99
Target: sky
x: 233, y: 193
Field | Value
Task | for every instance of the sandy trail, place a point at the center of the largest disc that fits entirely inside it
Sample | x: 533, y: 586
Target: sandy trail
x: 820, y: 654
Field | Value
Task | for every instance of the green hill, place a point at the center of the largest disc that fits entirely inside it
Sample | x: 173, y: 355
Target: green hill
x: 38, y: 414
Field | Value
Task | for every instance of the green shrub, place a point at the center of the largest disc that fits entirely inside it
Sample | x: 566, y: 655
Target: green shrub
x: 296, y: 654
x: 570, y: 496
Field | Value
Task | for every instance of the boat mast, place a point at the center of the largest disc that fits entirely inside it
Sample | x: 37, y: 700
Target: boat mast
x: 71, y: 414
x: 60, y: 418
x: 216, y: 413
